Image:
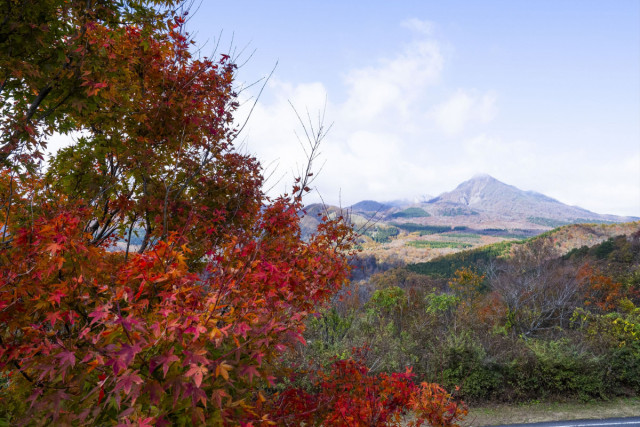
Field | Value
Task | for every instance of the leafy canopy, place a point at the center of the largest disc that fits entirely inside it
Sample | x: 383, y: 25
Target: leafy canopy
x: 144, y: 275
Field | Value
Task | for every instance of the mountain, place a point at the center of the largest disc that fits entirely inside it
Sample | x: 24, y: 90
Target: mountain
x: 399, y: 203
x: 485, y: 194
x: 479, y: 212
x: 482, y: 204
x: 369, y: 206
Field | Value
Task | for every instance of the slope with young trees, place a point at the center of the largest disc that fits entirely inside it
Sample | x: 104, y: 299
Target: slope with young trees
x: 527, y: 322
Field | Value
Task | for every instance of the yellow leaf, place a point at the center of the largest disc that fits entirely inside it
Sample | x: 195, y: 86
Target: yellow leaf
x: 92, y: 365
x: 215, y: 333
x: 223, y: 370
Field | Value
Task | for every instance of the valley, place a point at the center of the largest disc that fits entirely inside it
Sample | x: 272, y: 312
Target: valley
x: 479, y: 212
x: 503, y: 295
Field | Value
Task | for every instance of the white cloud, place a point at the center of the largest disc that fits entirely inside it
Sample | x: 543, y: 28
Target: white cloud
x: 271, y: 131
x: 419, y: 26
x: 402, y: 132
x: 368, y: 150
x: 608, y: 186
x: 383, y: 142
x: 463, y: 107
x: 388, y: 90
x: 570, y: 176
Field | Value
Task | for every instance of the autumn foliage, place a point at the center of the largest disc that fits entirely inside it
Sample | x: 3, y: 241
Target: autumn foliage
x: 350, y: 395
x: 599, y: 290
x: 144, y: 276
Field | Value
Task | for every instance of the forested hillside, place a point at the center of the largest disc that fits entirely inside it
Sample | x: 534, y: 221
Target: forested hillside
x: 508, y: 322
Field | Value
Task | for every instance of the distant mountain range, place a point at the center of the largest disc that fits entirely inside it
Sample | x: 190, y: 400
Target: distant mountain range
x: 486, y: 194
x: 481, y: 202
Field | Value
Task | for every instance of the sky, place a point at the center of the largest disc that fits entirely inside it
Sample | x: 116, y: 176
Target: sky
x: 423, y: 95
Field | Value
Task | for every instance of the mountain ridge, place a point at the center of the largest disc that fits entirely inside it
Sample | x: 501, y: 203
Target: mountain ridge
x: 478, y: 212
x: 489, y: 200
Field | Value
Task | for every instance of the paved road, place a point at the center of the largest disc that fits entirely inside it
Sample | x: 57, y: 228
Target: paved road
x: 609, y: 422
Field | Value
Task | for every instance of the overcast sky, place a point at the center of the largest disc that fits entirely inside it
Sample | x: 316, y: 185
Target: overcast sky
x: 543, y: 95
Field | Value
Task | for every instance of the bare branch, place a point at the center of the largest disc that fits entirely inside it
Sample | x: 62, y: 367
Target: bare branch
x: 314, y: 137
x: 255, y: 103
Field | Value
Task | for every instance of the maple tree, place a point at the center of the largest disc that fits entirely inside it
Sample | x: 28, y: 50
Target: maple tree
x: 600, y: 291
x: 348, y: 394
x: 144, y: 275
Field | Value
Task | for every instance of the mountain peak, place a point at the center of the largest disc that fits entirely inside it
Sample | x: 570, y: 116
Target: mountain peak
x: 479, y: 176
x: 485, y: 193
x: 476, y: 190
x: 482, y: 178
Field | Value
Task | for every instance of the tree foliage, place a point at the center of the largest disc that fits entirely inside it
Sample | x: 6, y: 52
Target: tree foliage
x: 529, y: 324
x: 144, y: 275
x: 348, y: 394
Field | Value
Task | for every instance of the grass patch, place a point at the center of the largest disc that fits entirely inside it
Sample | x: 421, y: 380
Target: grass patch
x: 412, y: 227
x: 411, y: 213
x: 464, y: 235
x: 438, y: 245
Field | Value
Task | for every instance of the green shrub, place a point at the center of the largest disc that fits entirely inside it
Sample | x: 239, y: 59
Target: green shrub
x: 485, y: 382
x: 466, y: 365
x: 437, y: 303
x: 563, y: 370
x: 388, y: 299
x: 604, y: 249
x: 329, y: 329
x: 624, y: 363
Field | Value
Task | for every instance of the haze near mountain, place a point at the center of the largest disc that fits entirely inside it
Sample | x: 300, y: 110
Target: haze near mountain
x: 485, y: 200
x: 485, y: 193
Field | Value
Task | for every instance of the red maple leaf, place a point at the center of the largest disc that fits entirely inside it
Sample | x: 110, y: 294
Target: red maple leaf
x: 197, y: 372
x: 165, y: 360
x: 126, y: 381
x: 67, y: 358
x: 54, y: 316
x: 56, y: 296
x: 54, y: 248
